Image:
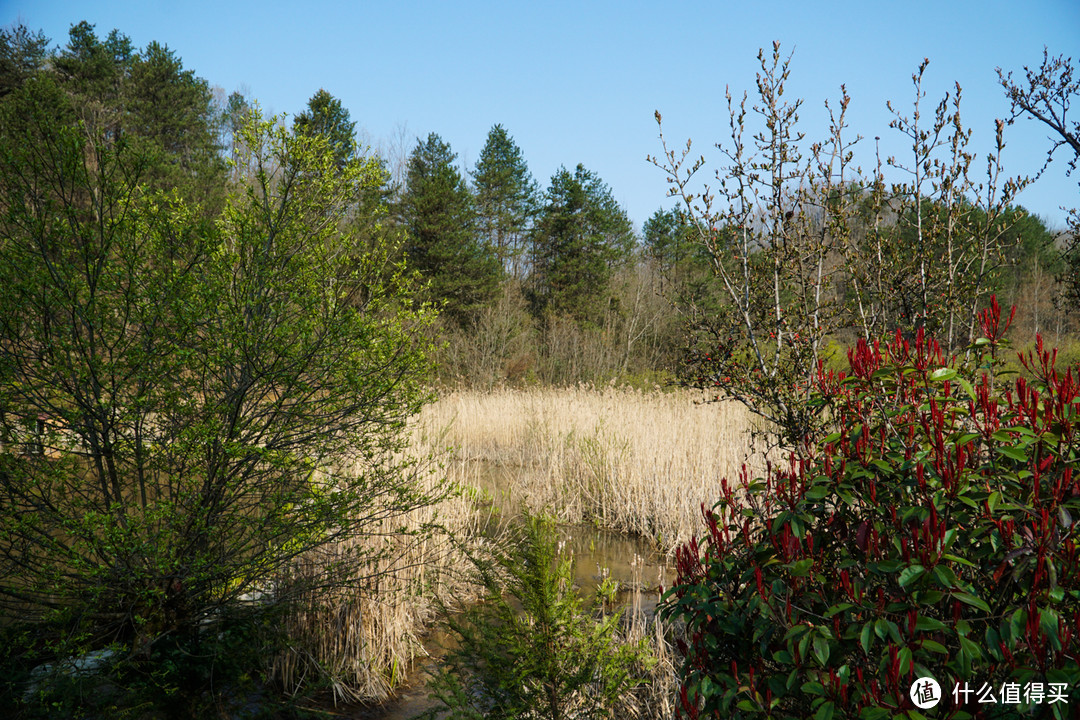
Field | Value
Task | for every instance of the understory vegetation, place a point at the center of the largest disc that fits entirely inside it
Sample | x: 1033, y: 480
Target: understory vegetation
x: 532, y: 648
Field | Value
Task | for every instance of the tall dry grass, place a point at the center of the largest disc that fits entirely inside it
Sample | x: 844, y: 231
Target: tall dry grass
x: 654, y: 698
x: 362, y: 640
x: 639, y: 462
x: 635, y: 461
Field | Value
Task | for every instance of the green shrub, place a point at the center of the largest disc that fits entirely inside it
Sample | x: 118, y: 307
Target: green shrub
x: 932, y: 533
x: 530, y: 649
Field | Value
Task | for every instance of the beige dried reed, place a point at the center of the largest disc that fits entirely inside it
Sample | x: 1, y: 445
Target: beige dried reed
x: 362, y: 640
x: 635, y: 461
x: 639, y: 462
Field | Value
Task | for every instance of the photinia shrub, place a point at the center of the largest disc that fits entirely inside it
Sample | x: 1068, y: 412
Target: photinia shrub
x: 932, y: 533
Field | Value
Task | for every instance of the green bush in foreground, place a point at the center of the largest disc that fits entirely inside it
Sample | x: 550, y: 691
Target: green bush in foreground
x: 932, y: 534
x: 193, y: 405
x: 530, y: 649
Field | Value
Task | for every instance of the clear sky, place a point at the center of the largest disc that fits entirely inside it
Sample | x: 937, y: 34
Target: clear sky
x: 579, y: 82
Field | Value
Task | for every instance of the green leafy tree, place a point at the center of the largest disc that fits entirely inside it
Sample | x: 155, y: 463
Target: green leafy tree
x: 531, y: 649
x: 439, y: 215
x: 210, y: 403
x: 506, y: 198
x: 327, y: 117
x: 580, y: 237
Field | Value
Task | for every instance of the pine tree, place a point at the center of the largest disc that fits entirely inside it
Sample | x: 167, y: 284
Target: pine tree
x: 171, y: 109
x: 91, y: 69
x: 326, y: 116
x: 582, y: 234
x: 233, y: 115
x: 506, y: 198
x: 150, y: 102
x: 439, y: 214
x: 22, y: 53
x: 666, y: 240
x: 533, y: 648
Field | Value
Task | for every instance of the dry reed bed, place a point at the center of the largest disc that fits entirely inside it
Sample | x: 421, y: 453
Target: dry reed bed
x: 639, y: 462
x: 363, y: 641
x: 635, y: 461
x: 655, y: 698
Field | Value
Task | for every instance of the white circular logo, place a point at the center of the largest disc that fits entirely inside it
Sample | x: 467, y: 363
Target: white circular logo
x: 925, y: 693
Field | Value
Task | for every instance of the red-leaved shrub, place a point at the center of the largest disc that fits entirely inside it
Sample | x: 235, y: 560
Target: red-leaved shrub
x: 932, y: 533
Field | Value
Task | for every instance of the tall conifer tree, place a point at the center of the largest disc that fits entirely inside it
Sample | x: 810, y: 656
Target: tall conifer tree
x: 148, y: 100
x: 326, y: 116
x: 506, y: 198
x: 22, y: 53
x: 582, y: 234
x: 439, y: 214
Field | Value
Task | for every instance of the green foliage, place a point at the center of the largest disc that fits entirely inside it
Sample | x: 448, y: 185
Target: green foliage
x: 684, y: 264
x: 217, y: 400
x: 325, y: 116
x: 932, y: 532
x: 506, y: 198
x: 443, y: 244
x: 148, y: 101
x: 215, y: 671
x: 581, y: 236
x: 168, y: 109
x: 530, y: 649
x: 22, y: 53
x: 92, y: 68
x: 232, y: 117
x: 667, y: 239
x: 1022, y: 241
x: 1032, y: 242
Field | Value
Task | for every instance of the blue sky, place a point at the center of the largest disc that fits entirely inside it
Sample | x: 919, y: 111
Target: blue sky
x: 578, y: 82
